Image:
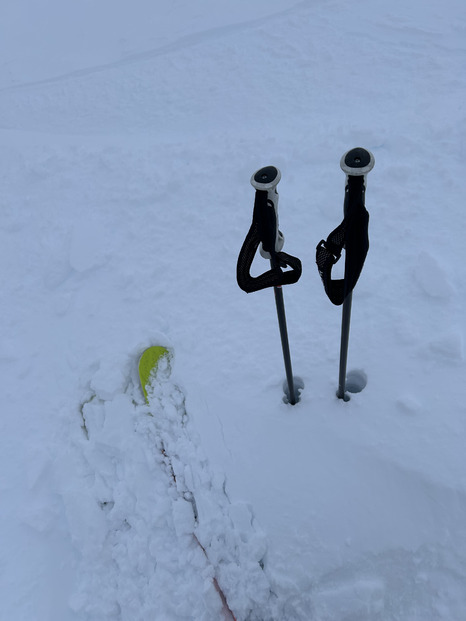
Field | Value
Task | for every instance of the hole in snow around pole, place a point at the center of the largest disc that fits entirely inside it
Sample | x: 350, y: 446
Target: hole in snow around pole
x: 356, y: 381
x: 298, y: 387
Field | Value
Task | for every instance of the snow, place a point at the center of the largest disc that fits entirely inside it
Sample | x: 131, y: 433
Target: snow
x: 128, y: 135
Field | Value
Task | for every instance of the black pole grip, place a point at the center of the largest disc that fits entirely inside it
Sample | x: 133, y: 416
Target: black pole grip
x: 264, y: 230
x: 352, y: 234
x: 274, y: 277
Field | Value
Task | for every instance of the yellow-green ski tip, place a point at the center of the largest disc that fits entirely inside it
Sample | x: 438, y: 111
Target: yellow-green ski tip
x: 148, y: 364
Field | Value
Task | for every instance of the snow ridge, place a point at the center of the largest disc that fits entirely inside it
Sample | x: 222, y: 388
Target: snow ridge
x: 164, y: 516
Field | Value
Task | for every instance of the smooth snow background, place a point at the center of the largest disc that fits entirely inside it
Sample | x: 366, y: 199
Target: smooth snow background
x: 128, y: 137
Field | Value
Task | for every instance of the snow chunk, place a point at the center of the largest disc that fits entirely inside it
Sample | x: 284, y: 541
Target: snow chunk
x: 111, y: 378
x: 409, y: 405
x: 183, y: 517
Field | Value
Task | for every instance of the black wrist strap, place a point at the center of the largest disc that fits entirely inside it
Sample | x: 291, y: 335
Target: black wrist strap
x: 263, y: 229
x: 352, y: 235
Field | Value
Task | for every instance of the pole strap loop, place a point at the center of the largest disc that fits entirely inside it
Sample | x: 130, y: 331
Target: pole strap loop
x: 353, y: 236
x: 264, y: 230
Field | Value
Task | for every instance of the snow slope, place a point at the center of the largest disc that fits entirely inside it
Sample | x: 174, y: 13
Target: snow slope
x: 128, y: 137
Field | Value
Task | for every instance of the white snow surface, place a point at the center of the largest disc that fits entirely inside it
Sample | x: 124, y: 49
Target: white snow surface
x: 128, y: 134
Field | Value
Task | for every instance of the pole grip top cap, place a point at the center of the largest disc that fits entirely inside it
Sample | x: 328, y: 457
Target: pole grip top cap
x: 357, y: 162
x: 266, y: 178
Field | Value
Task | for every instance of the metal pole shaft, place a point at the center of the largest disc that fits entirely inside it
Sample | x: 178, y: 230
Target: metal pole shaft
x: 280, y: 304
x: 345, y: 330
x: 285, y: 344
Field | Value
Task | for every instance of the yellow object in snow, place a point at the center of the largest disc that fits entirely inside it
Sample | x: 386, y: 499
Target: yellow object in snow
x: 148, y: 364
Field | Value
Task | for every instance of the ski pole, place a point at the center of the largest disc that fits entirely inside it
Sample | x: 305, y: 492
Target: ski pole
x: 264, y: 231
x: 356, y: 164
x: 267, y: 179
x: 352, y: 235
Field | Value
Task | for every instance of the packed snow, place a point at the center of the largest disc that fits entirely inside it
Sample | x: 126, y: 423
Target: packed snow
x: 128, y: 135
